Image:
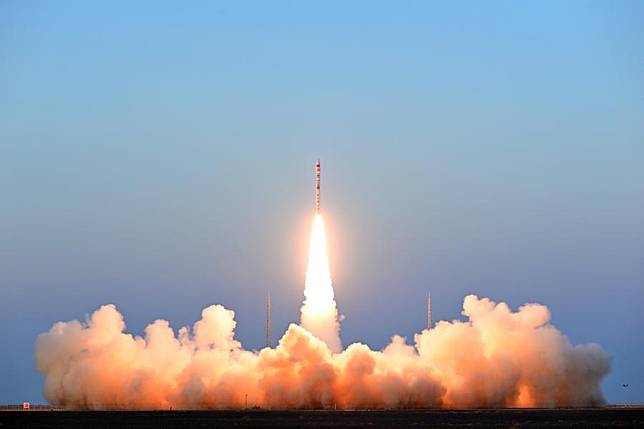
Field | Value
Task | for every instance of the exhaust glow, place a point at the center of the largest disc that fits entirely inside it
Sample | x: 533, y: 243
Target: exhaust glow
x: 319, y: 311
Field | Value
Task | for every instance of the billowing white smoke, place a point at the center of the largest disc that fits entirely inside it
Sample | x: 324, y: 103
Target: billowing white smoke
x: 319, y: 310
x: 497, y: 358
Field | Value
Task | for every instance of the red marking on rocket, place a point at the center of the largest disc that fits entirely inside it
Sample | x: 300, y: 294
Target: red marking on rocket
x: 317, y: 186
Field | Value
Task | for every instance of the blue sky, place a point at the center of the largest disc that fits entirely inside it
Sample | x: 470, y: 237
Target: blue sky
x: 160, y: 156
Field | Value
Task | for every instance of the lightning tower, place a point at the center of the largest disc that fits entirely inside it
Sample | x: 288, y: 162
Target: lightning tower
x: 429, y: 310
x: 269, y: 327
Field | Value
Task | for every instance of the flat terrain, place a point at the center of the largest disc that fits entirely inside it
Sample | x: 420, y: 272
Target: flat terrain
x: 507, y: 418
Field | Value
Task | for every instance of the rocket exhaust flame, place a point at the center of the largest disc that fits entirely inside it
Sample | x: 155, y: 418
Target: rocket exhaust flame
x: 497, y: 358
x: 319, y: 311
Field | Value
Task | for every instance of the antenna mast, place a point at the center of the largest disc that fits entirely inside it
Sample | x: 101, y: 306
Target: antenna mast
x: 429, y: 310
x: 269, y: 328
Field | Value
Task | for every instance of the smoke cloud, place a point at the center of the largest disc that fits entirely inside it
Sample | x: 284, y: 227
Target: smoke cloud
x: 496, y: 358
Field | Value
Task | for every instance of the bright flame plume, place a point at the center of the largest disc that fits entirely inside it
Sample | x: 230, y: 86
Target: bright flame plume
x: 319, y: 311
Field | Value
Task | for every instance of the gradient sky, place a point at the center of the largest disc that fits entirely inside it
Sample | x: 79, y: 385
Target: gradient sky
x: 160, y: 156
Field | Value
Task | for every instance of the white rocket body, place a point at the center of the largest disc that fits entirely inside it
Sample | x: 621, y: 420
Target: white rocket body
x: 317, y: 186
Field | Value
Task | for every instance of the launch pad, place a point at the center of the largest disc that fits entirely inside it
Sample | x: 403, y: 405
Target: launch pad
x: 488, y: 418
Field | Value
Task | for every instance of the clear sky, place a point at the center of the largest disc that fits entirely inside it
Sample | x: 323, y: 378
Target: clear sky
x: 160, y: 156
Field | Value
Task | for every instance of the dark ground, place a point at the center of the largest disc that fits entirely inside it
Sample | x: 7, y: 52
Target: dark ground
x: 507, y: 418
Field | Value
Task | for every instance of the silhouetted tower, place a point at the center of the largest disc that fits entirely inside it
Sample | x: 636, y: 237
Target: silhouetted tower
x: 429, y: 310
x: 269, y: 328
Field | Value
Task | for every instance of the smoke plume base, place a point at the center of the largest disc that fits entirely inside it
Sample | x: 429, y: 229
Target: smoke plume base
x: 497, y: 358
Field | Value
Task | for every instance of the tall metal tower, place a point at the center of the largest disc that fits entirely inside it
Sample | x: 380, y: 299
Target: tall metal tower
x: 429, y: 310
x: 269, y: 327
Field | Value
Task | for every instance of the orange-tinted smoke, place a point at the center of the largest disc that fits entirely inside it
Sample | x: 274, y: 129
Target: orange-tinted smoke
x: 497, y: 358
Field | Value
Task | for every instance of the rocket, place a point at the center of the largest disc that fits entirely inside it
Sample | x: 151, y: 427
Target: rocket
x: 317, y: 186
